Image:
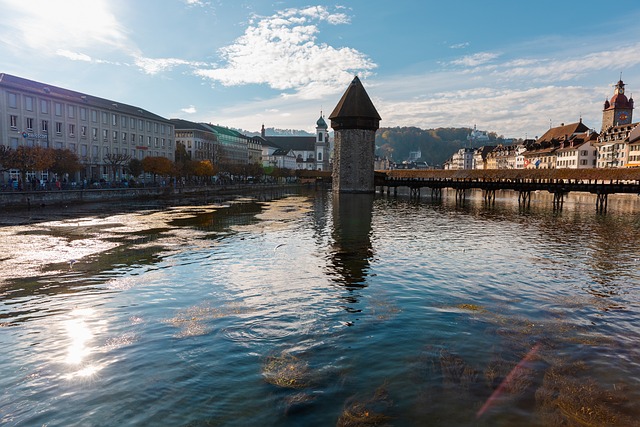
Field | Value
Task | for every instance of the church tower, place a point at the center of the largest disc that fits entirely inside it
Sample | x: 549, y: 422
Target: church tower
x: 322, y: 144
x: 619, y: 110
x: 355, y: 121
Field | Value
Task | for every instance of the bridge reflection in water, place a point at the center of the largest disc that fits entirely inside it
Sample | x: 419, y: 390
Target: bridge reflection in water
x: 559, y: 182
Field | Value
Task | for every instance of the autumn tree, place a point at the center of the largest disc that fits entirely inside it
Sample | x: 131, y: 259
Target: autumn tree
x: 116, y: 161
x: 65, y: 161
x: 157, y: 166
x: 5, y: 157
x: 204, y: 169
x: 30, y: 159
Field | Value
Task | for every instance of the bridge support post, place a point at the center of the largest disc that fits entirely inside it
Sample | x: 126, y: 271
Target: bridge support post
x: 436, y: 193
x: 558, y: 200
x: 601, y: 202
x: 414, y: 193
x: 524, y: 199
x: 395, y: 191
x: 490, y: 196
x: 461, y: 195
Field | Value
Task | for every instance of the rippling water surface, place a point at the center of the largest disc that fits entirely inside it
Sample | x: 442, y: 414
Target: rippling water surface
x: 308, y: 309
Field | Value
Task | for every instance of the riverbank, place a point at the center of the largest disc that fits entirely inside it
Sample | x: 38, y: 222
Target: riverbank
x: 35, y: 206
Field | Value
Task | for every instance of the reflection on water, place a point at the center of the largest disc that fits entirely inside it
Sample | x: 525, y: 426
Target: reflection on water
x: 351, y: 250
x: 321, y: 309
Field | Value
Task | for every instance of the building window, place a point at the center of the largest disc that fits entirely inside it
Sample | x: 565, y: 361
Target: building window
x: 123, y: 120
x: 105, y: 118
x: 155, y: 141
x: 83, y: 131
x: 71, y: 111
x: 59, y: 128
x: 83, y: 150
x: 29, y: 122
x: 114, y: 120
x: 72, y: 130
x: 148, y: 141
x: 94, y: 133
x: 13, y: 143
x: 13, y: 100
x: 319, y: 156
x: 28, y: 103
x: 83, y: 114
x: 133, y: 138
x: 94, y: 116
x: 44, y: 106
x: 45, y: 126
x: 124, y: 136
x: 13, y: 122
x: 115, y: 135
x: 140, y: 124
x: 58, y: 109
x: 105, y: 134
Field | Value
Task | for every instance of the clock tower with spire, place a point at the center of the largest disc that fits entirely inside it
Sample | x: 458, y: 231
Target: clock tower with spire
x: 619, y: 110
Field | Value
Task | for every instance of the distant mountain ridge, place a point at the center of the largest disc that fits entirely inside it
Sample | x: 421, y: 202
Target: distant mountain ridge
x: 277, y: 132
x: 436, y: 145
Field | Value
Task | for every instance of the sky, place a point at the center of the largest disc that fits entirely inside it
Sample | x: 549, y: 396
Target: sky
x: 511, y: 67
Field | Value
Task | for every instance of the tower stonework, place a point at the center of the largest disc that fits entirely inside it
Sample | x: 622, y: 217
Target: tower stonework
x: 355, y: 122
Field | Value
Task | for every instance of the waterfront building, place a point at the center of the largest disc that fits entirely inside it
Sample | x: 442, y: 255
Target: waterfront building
x: 198, y: 141
x: 542, y: 153
x: 312, y: 152
x: 233, y: 147
x: 480, y: 156
x: 283, y: 158
x: 461, y: 159
x: 634, y: 148
x: 39, y: 114
x: 578, y: 152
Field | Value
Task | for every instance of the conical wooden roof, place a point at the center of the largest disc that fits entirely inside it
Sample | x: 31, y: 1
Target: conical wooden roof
x: 355, y: 109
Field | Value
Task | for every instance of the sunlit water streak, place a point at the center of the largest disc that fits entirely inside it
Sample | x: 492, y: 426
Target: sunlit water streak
x: 312, y: 310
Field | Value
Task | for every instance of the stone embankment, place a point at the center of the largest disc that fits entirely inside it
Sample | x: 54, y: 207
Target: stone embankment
x: 28, y: 199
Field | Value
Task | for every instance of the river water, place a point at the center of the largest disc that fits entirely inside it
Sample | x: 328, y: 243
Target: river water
x: 307, y: 309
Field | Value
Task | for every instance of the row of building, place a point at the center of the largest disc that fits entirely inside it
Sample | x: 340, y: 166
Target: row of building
x: 38, y: 114
x: 573, y: 146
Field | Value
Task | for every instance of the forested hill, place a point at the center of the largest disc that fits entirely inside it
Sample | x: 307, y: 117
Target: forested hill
x: 436, y: 145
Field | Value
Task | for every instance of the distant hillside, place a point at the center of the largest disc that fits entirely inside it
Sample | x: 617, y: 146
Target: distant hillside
x: 436, y: 145
x: 277, y: 132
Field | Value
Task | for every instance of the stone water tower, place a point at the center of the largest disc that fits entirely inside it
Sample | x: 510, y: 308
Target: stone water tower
x: 355, y: 122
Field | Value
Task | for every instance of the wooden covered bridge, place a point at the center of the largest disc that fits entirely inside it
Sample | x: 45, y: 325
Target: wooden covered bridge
x: 559, y: 182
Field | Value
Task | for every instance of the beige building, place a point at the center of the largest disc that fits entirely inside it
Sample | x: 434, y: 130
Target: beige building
x: 38, y: 114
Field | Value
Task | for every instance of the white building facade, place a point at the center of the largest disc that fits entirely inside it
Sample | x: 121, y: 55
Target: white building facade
x: 37, y: 114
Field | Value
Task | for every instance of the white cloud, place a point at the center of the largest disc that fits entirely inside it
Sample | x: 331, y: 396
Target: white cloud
x: 74, y: 56
x: 66, y: 25
x: 459, y: 45
x: 189, y: 110
x: 157, y: 65
x: 476, y: 59
x: 282, y: 52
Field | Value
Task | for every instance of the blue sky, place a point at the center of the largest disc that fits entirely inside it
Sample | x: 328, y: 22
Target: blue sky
x: 513, y: 67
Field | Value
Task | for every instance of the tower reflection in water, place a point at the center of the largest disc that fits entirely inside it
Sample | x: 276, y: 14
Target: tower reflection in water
x: 351, y: 250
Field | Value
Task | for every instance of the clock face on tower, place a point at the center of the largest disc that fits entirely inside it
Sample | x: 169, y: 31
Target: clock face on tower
x: 622, y: 117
